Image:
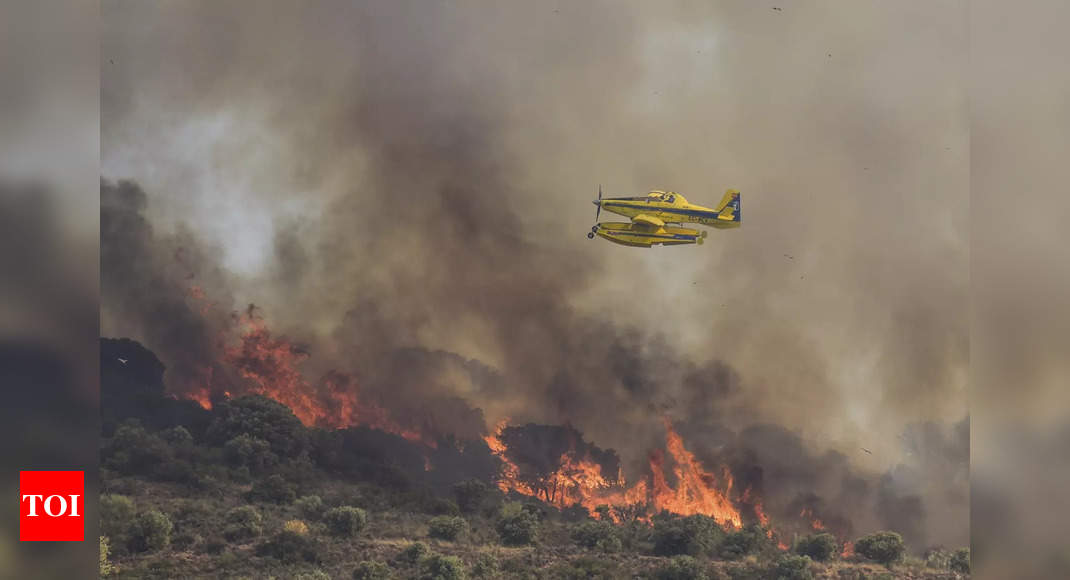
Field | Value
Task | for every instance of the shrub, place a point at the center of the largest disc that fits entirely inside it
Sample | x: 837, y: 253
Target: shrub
x: 470, y: 494
x: 937, y: 558
x: 368, y: 570
x: 960, y: 561
x: 311, y: 507
x: 289, y: 547
x: 682, y: 568
x: 117, y: 515
x: 313, y: 575
x: 517, y: 527
x: 793, y: 568
x: 439, y: 567
x: 695, y: 535
x: 295, y: 526
x: 243, y: 523
x: 346, y: 521
x: 740, y: 543
x: 261, y: 418
x: 883, y: 547
x: 446, y: 527
x: 441, y: 507
x: 251, y: 452
x: 106, y: 567
x: 819, y: 547
x: 486, y: 566
x: 151, y: 532
x: 413, y: 553
x: 177, y: 435
x: 599, y: 535
x: 273, y: 489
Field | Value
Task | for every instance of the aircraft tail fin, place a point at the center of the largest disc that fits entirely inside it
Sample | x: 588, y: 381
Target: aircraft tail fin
x: 729, y: 207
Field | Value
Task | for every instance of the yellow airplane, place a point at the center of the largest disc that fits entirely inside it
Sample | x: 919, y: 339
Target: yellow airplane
x: 656, y: 218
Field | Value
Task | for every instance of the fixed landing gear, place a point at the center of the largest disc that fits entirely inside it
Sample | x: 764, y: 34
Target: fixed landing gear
x: 590, y: 235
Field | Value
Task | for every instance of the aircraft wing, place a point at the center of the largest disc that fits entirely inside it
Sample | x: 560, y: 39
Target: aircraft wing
x: 648, y: 220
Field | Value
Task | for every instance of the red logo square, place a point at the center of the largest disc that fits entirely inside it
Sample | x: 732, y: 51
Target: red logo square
x: 51, y: 506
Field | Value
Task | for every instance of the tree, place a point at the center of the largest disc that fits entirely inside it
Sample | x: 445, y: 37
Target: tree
x: 470, y: 494
x: 439, y: 567
x: 517, y: 526
x: 311, y: 507
x: 446, y: 527
x: 695, y: 535
x: 819, y: 547
x: 793, y: 568
x: 346, y: 521
x: 243, y: 522
x: 261, y: 418
x: 273, y: 489
x: 960, y: 561
x: 682, y: 568
x: 598, y: 535
x: 884, y: 547
x: 740, y: 543
x: 151, y: 532
x: 368, y: 570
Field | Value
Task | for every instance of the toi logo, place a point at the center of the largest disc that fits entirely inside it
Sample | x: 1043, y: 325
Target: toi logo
x: 51, y: 506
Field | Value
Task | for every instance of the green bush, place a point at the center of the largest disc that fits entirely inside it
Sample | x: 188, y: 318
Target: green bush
x: 517, y: 526
x: 446, y: 527
x: 261, y: 418
x: 273, y: 489
x: 819, y: 547
x: 243, y: 523
x: 250, y: 452
x: 310, y: 507
x: 740, y: 543
x: 438, y: 506
x: 600, y: 535
x: 937, y: 558
x: 793, y: 568
x: 117, y: 515
x: 289, y: 547
x: 439, y: 567
x: 177, y: 436
x: 368, y: 570
x: 884, y: 547
x: 695, y: 535
x: 313, y: 575
x: 682, y: 568
x: 413, y: 553
x: 960, y: 561
x: 106, y: 567
x: 486, y: 566
x: 470, y: 494
x: 151, y: 532
x: 346, y: 521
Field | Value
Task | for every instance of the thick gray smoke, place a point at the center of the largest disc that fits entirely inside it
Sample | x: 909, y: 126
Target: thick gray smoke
x: 403, y: 188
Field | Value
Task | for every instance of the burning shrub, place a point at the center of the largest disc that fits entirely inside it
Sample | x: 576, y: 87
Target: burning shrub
x: 413, y: 553
x: 439, y: 567
x: 960, y: 561
x: 346, y: 521
x: 368, y: 570
x: 311, y: 507
x: 470, y: 494
x: 289, y: 547
x: 447, y: 527
x: 695, y: 535
x: 883, y: 547
x: 250, y: 452
x: 260, y: 418
x: 793, y: 568
x: 243, y: 523
x: 273, y: 489
x: 600, y: 535
x: 819, y: 547
x: 517, y: 526
x: 740, y: 543
x: 682, y: 568
x: 151, y: 532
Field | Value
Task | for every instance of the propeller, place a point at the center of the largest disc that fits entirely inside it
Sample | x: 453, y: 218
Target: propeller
x: 597, y: 213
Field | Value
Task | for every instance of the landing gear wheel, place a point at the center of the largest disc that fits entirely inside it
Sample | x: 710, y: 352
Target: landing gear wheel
x: 594, y: 229
x: 590, y: 235
x: 704, y: 233
x: 700, y: 240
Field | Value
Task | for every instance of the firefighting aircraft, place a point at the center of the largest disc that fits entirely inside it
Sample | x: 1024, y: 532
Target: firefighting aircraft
x: 656, y: 218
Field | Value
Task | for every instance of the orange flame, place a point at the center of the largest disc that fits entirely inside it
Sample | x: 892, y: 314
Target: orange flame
x: 815, y: 523
x: 580, y: 481
x: 848, y: 550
